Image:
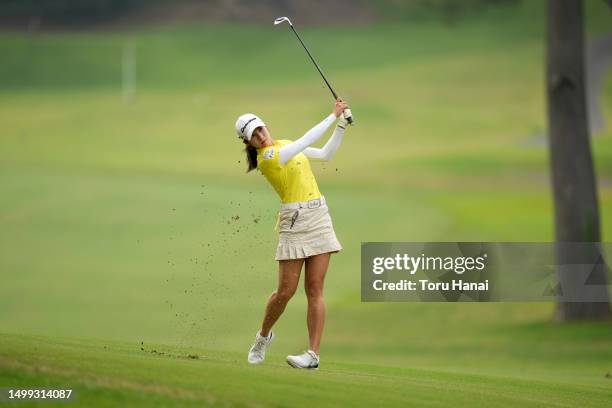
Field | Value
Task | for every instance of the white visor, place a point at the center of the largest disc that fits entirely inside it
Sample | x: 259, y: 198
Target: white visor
x: 246, y: 124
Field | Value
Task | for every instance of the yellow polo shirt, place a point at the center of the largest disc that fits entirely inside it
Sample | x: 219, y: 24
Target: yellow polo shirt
x: 294, y: 180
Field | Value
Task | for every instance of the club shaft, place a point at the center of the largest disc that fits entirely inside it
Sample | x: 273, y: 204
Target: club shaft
x: 314, y: 62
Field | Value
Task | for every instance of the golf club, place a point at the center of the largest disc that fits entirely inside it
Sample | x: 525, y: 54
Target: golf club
x: 280, y: 20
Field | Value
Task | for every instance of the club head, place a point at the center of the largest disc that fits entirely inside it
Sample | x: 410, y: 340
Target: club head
x: 281, y: 20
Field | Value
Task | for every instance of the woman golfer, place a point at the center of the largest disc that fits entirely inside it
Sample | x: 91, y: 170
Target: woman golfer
x: 306, y: 233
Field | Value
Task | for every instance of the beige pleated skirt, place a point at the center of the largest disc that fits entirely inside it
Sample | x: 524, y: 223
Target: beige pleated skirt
x: 305, y: 232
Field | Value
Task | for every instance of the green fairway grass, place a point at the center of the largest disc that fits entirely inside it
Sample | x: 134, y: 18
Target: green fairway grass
x: 106, y: 373
x: 129, y: 222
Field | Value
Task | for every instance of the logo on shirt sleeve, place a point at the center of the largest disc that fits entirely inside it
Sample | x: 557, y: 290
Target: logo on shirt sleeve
x: 268, y: 154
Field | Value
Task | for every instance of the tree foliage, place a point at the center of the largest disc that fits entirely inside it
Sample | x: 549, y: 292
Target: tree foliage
x: 78, y: 12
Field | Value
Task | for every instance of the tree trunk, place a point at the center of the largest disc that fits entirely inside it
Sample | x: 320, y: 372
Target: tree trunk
x: 573, y: 178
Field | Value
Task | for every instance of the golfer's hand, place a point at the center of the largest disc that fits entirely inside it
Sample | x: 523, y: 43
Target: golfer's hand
x: 343, y: 119
x: 339, y: 107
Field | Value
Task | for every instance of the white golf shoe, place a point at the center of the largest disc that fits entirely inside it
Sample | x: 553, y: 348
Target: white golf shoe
x: 309, y: 360
x: 257, y: 353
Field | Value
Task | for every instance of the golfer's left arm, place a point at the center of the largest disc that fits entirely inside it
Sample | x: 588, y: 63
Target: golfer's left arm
x: 287, y: 152
x: 326, y: 152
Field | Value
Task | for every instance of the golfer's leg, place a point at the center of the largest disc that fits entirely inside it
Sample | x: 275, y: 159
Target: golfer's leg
x: 316, y: 267
x: 288, y: 279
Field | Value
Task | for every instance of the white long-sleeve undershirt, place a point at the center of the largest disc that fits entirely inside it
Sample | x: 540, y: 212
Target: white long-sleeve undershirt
x: 287, y: 152
x: 326, y: 152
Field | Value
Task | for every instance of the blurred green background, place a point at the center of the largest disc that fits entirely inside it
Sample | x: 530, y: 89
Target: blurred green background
x: 132, y: 218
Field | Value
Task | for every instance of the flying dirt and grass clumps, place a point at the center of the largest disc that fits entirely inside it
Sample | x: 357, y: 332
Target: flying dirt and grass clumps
x: 168, y: 354
x: 191, y: 280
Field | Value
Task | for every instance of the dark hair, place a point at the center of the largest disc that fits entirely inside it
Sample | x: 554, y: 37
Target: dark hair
x: 251, y: 154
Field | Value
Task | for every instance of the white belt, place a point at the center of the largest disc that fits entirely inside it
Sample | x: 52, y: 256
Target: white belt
x: 317, y: 202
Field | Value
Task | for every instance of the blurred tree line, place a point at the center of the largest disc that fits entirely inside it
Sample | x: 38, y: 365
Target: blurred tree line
x: 83, y: 12
x: 449, y: 11
x: 68, y: 11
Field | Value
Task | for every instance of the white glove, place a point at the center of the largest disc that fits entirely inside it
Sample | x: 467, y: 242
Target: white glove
x: 343, y: 121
